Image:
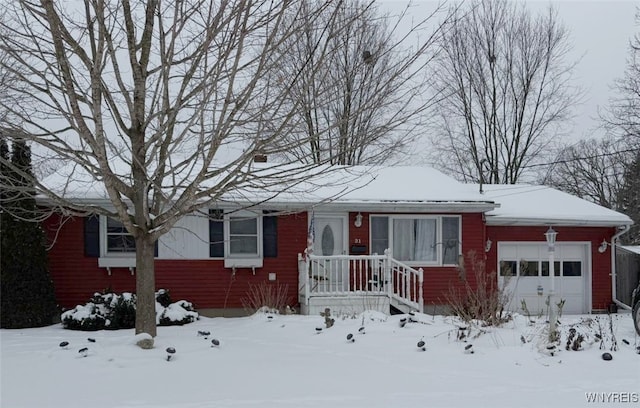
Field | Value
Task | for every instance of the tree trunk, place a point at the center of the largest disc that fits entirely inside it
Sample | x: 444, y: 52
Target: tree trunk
x: 145, y: 286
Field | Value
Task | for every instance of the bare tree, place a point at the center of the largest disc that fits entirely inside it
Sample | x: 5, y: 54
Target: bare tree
x: 629, y: 199
x: 622, y: 120
x: 591, y: 169
x: 507, y: 91
x: 146, y: 100
x: 364, y: 104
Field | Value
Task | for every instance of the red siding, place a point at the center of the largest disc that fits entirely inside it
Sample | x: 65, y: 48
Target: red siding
x: 600, y: 263
x: 206, y: 283
x: 75, y: 276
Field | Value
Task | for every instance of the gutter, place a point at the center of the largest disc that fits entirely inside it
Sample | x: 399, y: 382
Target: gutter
x: 624, y: 230
x: 577, y: 221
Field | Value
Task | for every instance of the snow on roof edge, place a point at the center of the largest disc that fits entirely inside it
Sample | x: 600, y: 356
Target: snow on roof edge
x: 631, y: 248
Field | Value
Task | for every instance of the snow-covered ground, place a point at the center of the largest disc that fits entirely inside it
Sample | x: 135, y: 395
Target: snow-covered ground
x: 284, y: 361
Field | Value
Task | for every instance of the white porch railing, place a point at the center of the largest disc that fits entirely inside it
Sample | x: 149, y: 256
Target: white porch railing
x: 344, y: 275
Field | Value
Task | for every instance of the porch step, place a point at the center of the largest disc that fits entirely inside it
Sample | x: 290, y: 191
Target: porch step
x: 401, y: 307
x: 346, y: 305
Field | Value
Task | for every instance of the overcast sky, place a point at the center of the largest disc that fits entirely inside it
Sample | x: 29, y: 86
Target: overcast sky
x: 600, y: 32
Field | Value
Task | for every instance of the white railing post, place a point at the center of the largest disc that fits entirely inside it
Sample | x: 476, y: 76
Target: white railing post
x: 420, y: 290
x: 388, y: 275
x: 303, y: 279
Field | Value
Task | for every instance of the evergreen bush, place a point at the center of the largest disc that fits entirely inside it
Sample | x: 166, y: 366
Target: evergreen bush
x: 179, y: 313
x: 26, y: 291
x: 113, y: 311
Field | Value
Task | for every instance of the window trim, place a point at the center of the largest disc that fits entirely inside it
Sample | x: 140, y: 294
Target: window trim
x: 104, y: 247
x: 439, y: 233
x: 243, y: 260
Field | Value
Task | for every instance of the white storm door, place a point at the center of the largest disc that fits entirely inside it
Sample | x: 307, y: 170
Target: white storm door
x: 331, y: 240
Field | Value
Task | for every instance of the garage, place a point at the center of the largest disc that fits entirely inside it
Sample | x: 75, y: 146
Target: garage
x: 524, y: 274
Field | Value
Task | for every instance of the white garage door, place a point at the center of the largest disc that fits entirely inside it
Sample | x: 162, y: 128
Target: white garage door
x: 524, y: 274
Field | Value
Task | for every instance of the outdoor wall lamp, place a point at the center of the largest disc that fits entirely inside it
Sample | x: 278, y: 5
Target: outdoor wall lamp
x: 358, y: 221
x: 550, y: 236
x: 487, y: 245
x: 603, y: 246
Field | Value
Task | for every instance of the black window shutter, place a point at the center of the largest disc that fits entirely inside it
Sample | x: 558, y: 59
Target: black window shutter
x: 155, y: 249
x: 269, y: 235
x: 92, y: 236
x: 216, y: 234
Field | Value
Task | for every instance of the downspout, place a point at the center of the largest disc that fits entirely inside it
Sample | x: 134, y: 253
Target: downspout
x: 624, y: 230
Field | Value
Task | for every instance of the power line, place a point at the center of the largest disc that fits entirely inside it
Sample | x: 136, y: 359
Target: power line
x: 573, y: 159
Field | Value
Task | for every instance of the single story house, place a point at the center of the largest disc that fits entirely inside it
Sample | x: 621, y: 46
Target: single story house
x: 401, y: 239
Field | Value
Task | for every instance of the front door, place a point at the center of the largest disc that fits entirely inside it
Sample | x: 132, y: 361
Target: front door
x: 331, y: 240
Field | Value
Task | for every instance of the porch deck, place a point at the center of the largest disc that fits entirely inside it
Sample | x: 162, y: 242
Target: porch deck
x: 350, y: 284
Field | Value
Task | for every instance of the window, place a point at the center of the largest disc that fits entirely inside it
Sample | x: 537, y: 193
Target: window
x: 529, y: 267
x: 243, y: 236
x: 379, y: 234
x: 545, y: 268
x: 508, y: 268
x: 118, y: 239
x: 571, y: 268
x: 450, y: 240
x: 427, y: 240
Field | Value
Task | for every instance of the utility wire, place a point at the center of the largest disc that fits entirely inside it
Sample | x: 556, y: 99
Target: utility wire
x: 595, y: 156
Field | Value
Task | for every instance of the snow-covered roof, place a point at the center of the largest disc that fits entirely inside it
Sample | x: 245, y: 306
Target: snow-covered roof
x: 526, y: 204
x: 361, y: 188
x: 393, y: 189
x: 404, y: 188
x: 631, y: 248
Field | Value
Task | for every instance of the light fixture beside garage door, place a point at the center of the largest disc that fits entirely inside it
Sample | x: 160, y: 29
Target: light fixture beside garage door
x: 603, y: 246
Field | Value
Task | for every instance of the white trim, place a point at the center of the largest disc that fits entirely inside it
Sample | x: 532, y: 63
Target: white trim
x: 117, y: 262
x: 109, y: 260
x: 242, y: 260
x: 496, y: 220
x: 112, y: 262
x: 104, y: 251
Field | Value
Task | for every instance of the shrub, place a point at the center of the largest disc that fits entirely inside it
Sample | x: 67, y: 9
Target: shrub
x: 484, y: 301
x: 89, y: 317
x: 162, y: 297
x: 271, y: 296
x: 178, y: 313
x: 112, y: 311
x: 123, y: 311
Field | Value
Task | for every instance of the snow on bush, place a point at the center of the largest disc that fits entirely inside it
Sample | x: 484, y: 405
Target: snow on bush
x: 118, y: 311
x: 177, y: 313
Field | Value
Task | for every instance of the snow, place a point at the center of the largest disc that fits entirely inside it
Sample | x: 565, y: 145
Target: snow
x: 395, y: 189
x: 282, y: 362
x: 294, y: 183
x: 527, y: 204
x: 632, y: 248
x: 409, y: 184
